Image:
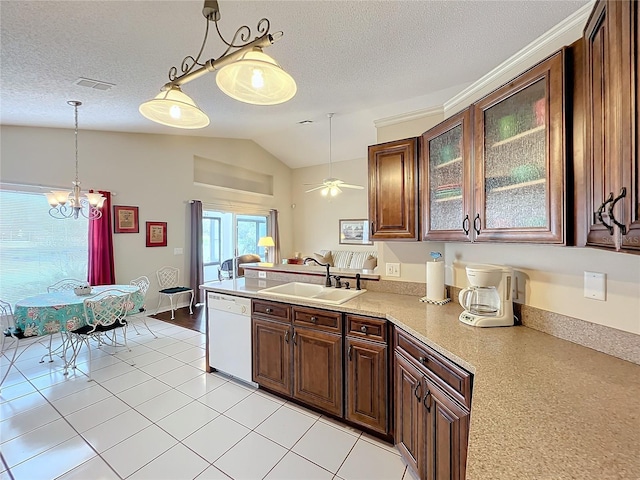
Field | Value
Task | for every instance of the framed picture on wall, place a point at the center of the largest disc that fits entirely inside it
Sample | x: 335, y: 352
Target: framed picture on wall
x: 156, y: 234
x: 355, y: 232
x: 125, y: 219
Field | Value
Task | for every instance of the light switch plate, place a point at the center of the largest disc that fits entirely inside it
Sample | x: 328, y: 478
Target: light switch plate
x: 177, y: 251
x: 393, y: 269
x: 595, y: 285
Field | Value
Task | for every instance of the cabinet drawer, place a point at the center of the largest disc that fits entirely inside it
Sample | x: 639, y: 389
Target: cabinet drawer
x: 366, y: 327
x: 271, y: 310
x: 321, y: 319
x: 452, y: 378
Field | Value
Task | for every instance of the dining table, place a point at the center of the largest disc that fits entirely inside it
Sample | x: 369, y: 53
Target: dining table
x: 53, y: 312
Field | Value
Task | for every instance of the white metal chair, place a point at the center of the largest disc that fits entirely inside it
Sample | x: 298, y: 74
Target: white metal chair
x: 59, y: 286
x: 143, y: 285
x: 169, y: 281
x: 103, y: 313
x: 9, y: 331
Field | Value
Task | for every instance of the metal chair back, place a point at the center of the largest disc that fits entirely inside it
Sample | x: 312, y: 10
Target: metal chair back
x: 142, y: 283
x: 66, y: 284
x: 106, y: 308
x: 168, y: 277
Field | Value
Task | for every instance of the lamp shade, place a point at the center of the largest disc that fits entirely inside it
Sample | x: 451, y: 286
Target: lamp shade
x: 174, y: 108
x: 266, y: 242
x: 257, y: 79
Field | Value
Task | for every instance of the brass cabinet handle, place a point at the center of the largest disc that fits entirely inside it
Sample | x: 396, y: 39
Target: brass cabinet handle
x: 423, y: 360
x: 294, y: 338
x: 363, y: 329
x: 286, y: 336
x: 415, y: 392
x: 314, y: 319
x: 349, y: 351
x: 268, y: 310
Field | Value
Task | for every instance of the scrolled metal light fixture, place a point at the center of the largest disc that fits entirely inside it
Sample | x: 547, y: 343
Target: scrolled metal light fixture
x: 244, y: 72
x: 72, y: 204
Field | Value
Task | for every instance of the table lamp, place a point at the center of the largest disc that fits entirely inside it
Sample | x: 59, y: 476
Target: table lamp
x: 266, y: 242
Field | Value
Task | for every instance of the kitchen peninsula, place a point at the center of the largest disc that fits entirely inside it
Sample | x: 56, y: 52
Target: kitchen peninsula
x: 542, y: 407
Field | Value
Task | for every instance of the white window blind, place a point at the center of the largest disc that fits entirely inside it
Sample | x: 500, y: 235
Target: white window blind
x: 37, y: 250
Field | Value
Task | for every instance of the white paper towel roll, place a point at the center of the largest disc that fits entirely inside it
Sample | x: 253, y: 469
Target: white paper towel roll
x: 435, y: 281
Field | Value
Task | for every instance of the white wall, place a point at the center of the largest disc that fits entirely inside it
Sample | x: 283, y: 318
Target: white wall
x: 153, y: 172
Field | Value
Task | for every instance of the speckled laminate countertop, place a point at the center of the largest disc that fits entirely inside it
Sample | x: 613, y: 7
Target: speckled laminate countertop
x: 542, y: 408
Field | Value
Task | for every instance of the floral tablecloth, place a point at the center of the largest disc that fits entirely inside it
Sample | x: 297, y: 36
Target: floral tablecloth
x: 49, y: 313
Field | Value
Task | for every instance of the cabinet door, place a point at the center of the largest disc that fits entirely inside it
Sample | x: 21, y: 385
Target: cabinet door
x: 599, y: 120
x: 272, y: 355
x: 447, y: 435
x: 519, y: 158
x: 393, y: 189
x: 410, y: 430
x: 626, y: 37
x: 366, y: 383
x: 445, y: 169
x: 318, y: 369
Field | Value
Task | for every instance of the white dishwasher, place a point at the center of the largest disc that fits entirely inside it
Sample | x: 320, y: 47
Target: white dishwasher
x: 230, y: 335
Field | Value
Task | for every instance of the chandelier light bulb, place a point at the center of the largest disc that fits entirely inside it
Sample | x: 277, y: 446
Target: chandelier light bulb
x: 325, y: 191
x: 334, y: 191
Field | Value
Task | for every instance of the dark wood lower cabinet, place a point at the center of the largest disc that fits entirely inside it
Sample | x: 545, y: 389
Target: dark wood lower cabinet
x: 410, y: 431
x: 431, y: 427
x: 317, y: 361
x: 272, y: 355
x: 366, y: 383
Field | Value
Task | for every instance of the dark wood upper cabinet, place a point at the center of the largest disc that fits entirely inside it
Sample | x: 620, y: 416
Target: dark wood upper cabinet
x: 519, y: 160
x: 612, y: 204
x: 445, y: 170
x: 393, y: 190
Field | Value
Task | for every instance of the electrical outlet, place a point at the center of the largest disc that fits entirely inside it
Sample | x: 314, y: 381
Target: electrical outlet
x: 595, y: 285
x: 262, y: 274
x: 393, y: 269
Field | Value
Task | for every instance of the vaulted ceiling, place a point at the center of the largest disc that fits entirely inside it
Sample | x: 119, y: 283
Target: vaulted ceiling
x: 363, y: 60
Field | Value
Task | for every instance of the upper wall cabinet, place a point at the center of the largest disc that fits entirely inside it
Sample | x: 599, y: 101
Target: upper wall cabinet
x: 393, y: 190
x: 495, y: 173
x: 612, y: 207
x: 445, y: 170
x: 519, y: 159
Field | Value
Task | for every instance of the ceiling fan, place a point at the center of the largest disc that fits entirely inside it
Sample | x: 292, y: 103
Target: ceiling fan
x: 331, y: 186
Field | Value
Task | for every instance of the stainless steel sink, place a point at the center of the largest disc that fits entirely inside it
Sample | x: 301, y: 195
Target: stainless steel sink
x: 312, y: 292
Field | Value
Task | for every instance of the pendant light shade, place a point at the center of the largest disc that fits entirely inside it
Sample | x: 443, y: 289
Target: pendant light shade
x: 174, y: 108
x: 256, y: 78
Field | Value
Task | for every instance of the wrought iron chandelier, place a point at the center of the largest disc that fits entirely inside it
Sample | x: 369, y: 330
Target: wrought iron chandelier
x: 244, y: 72
x: 72, y: 204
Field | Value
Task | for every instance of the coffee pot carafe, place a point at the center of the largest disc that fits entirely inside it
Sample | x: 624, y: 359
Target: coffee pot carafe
x: 488, y: 301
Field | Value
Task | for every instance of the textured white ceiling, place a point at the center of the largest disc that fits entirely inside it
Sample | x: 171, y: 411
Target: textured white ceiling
x: 363, y: 60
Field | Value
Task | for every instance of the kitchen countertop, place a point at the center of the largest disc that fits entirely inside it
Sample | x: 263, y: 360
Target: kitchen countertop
x: 543, y: 408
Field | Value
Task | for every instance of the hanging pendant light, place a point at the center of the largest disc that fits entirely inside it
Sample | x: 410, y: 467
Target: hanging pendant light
x: 244, y: 72
x: 72, y: 204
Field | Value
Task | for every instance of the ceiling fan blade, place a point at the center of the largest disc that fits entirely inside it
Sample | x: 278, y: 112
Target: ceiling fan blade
x: 347, y: 185
x: 314, y: 189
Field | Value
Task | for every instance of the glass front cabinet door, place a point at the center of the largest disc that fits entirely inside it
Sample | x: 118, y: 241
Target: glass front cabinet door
x: 445, y: 168
x: 519, y: 159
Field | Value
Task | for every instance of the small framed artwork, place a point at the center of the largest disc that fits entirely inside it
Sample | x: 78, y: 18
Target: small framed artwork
x: 156, y: 234
x: 125, y: 219
x: 355, y: 232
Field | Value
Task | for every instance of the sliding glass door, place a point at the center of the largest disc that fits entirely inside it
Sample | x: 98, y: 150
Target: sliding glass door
x: 227, y: 236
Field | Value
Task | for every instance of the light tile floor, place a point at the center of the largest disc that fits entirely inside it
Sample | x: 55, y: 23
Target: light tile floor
x: 153, y: 413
